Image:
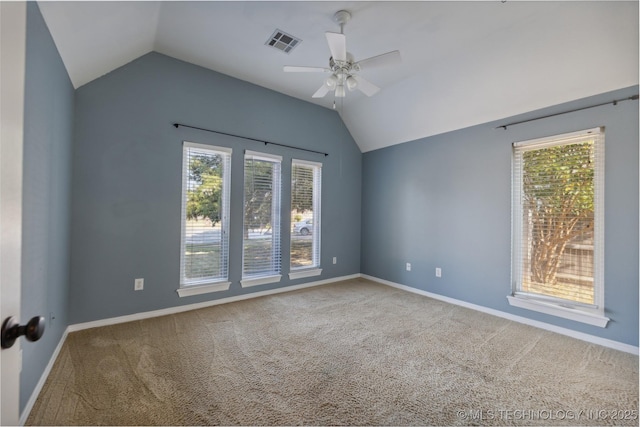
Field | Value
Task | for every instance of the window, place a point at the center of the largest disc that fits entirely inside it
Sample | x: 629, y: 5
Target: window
x: 306, y: 178
x: 557, y: 265
x: 261, y: 239
x: 204, y: 255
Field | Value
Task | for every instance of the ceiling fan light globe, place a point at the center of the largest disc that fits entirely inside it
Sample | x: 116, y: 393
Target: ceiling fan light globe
x: 331, y: 82
x: 352, y: 83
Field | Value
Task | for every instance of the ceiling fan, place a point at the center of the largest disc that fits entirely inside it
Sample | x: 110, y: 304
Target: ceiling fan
x: 343, y: 67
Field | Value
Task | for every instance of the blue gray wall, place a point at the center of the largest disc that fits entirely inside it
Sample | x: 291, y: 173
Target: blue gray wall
x: 127, y: 165
x: 444, y: 201
x: 48, y: 138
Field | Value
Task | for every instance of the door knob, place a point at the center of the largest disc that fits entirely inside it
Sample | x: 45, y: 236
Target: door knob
x: 11, y: 330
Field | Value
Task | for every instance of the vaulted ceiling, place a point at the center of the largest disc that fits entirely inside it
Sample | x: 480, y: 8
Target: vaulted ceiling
x: 463, y: 63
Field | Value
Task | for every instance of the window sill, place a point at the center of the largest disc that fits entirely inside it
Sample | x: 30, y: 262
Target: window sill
x: 189, y: 290
x: 559, y: 311
x: 262, y: 280
x: 305, y: 273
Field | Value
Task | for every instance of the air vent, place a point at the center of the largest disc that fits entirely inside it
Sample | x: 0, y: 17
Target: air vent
x: 283, y: 41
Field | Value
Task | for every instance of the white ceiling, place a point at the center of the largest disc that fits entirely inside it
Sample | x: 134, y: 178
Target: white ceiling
x: 463, y: 63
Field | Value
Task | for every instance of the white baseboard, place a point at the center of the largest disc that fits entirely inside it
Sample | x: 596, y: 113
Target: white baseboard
x: 43, y: 378
x: 189, y: 307
x: 616, y: 345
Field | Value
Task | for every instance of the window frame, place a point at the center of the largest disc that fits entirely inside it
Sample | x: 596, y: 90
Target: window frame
x: 593, y: 314
x: 197, y: 287
x: 315, y: 269
x: 276, y: 214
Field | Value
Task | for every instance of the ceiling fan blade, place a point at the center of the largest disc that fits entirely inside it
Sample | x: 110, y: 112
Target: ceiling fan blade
x: 389, y: 58
x: 337, y: 46
x: 366, y: 86
x: 294, y: 69
x: 320, y: 93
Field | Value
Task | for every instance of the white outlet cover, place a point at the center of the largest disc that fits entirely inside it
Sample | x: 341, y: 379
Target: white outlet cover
x: 438, y: 272
x: 408, y: 266
x: 138, y: 284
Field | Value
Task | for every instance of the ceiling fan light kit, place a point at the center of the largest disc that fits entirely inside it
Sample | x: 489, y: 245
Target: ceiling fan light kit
x: 332, y: 82
x: 352, y: 83
x: 343, y: 67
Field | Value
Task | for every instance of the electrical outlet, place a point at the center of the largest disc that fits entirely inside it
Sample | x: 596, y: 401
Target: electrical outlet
x: 408, y: 266
x: 438, y: 272
x: 138, y: 285
x: 335, y: 260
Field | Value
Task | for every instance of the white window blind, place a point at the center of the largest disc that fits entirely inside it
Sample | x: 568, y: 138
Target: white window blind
x: 306, y: 179
x: 205, y: 214
x: 261, y: 255
x: 558, y: 235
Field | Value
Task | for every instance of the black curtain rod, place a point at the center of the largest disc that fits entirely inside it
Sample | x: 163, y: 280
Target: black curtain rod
x: 631, y: 98
x: 177, y: 125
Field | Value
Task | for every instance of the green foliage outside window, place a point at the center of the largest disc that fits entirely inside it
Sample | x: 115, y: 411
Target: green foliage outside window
x: 204, y: 200
x: 558, y: 187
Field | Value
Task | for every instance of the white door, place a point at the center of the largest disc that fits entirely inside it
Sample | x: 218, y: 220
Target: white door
x: 13, y: 21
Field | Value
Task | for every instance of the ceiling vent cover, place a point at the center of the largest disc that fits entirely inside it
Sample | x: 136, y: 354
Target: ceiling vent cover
x: 283, y: 41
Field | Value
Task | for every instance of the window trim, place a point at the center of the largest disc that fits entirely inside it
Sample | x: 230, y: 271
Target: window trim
x: 555, y: 309
x: 260, y: 280
x: 196, y: 287
x: 303, y: 272
x: 206, y: 288
x: 592, y: 314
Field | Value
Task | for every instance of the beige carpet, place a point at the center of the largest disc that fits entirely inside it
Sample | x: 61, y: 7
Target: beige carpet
x: 355, y: 353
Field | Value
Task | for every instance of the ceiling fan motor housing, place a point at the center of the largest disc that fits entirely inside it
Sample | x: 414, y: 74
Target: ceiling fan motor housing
x: 345, y: 65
